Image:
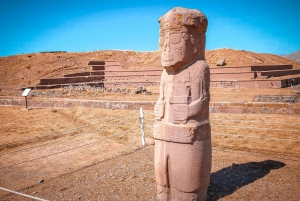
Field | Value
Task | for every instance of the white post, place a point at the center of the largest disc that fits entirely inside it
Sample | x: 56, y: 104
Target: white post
x: 142, y: 126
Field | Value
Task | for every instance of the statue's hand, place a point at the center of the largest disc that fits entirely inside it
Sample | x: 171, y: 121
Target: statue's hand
x: 159, y: 110
x: 180, y: 113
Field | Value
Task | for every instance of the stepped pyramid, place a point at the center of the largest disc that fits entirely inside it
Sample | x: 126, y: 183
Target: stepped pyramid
x: 262, y: 76
x: 111, y: 74
x: 108, y: 74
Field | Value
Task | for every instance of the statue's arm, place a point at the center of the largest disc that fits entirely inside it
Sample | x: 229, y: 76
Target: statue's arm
x: 203, y: 101
x: 196, y: 106
x: 160, y: 104
x: 182, y: 112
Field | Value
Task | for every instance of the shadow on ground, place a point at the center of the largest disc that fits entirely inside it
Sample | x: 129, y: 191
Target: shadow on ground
x: 227, y: 180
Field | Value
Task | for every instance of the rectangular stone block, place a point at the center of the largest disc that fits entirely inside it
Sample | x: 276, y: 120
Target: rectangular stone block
x: 237, y: 110
x: 236, y: 104
x: 212, y: 109
x: 219, y: 104
x: 266, y: 110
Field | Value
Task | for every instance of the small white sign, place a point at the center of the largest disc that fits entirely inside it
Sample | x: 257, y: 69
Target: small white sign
x: 26, y: 92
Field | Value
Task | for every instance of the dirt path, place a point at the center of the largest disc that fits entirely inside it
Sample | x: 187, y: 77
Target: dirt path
x: 235, y: 175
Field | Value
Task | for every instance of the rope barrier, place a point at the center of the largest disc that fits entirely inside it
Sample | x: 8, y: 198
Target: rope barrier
x: 147, y: 126
x: 22, y: 194
x: 103, y: 139
x: 151, y: 119
x: 266, y: 138
x: 74, y: 129
x: 251, y: 136
x: 255, y: 122
x: 274, y: 129
x: 248, y: 136
x: 65, y: 138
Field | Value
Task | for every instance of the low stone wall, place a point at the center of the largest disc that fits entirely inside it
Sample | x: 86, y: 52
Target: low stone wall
x: 130, y: 105
x: 267, y: 83
x: 238, y: 108
x: 252, y: 108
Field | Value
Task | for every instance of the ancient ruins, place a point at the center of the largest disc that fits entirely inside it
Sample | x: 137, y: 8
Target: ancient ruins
x: 182, y: 130
x: 109, y: 74
x: 262, y: 76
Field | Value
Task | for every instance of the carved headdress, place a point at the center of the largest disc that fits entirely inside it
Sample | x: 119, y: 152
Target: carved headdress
x: 181, y: 18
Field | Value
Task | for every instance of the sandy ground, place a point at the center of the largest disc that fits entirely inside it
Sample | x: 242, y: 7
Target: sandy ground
x: 96, y: 154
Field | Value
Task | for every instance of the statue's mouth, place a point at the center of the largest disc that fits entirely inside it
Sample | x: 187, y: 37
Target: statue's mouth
x: 167, y: 61
x: 167, y: 58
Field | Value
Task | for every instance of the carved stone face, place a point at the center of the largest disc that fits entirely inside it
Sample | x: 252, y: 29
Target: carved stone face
x: 182, y: 37
x: 177, y: 48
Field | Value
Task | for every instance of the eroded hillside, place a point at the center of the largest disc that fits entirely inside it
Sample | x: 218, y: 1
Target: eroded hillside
x: 243, y: 58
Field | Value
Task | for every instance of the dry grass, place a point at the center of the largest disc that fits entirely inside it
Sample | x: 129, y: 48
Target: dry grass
x: 273, y: 134
x: 260, y: 132
x: 22, y: 128
x: 106, y: 135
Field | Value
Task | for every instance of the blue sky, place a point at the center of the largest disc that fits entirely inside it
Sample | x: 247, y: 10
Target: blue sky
x: 27, y: 26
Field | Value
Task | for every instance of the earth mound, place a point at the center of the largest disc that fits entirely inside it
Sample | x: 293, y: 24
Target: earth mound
x: 27, y: 69
x: 294, y: 56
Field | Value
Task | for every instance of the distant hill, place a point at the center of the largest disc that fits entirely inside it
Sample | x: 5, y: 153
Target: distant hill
x: 294, y: 56
x: 244, y: 58
x: 27, y: 69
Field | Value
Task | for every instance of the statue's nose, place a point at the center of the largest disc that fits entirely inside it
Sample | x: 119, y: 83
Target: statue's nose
x: 166, y: 46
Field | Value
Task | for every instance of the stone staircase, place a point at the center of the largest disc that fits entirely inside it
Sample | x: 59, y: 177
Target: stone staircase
x: 109, y: 74
x: 267, y: 76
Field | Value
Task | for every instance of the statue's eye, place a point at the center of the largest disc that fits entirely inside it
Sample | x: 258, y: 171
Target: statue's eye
x: 185, y: 37
x: 175, y: 38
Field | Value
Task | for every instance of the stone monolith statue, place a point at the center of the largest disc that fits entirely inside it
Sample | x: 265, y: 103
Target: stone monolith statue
x: 182, y: 130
